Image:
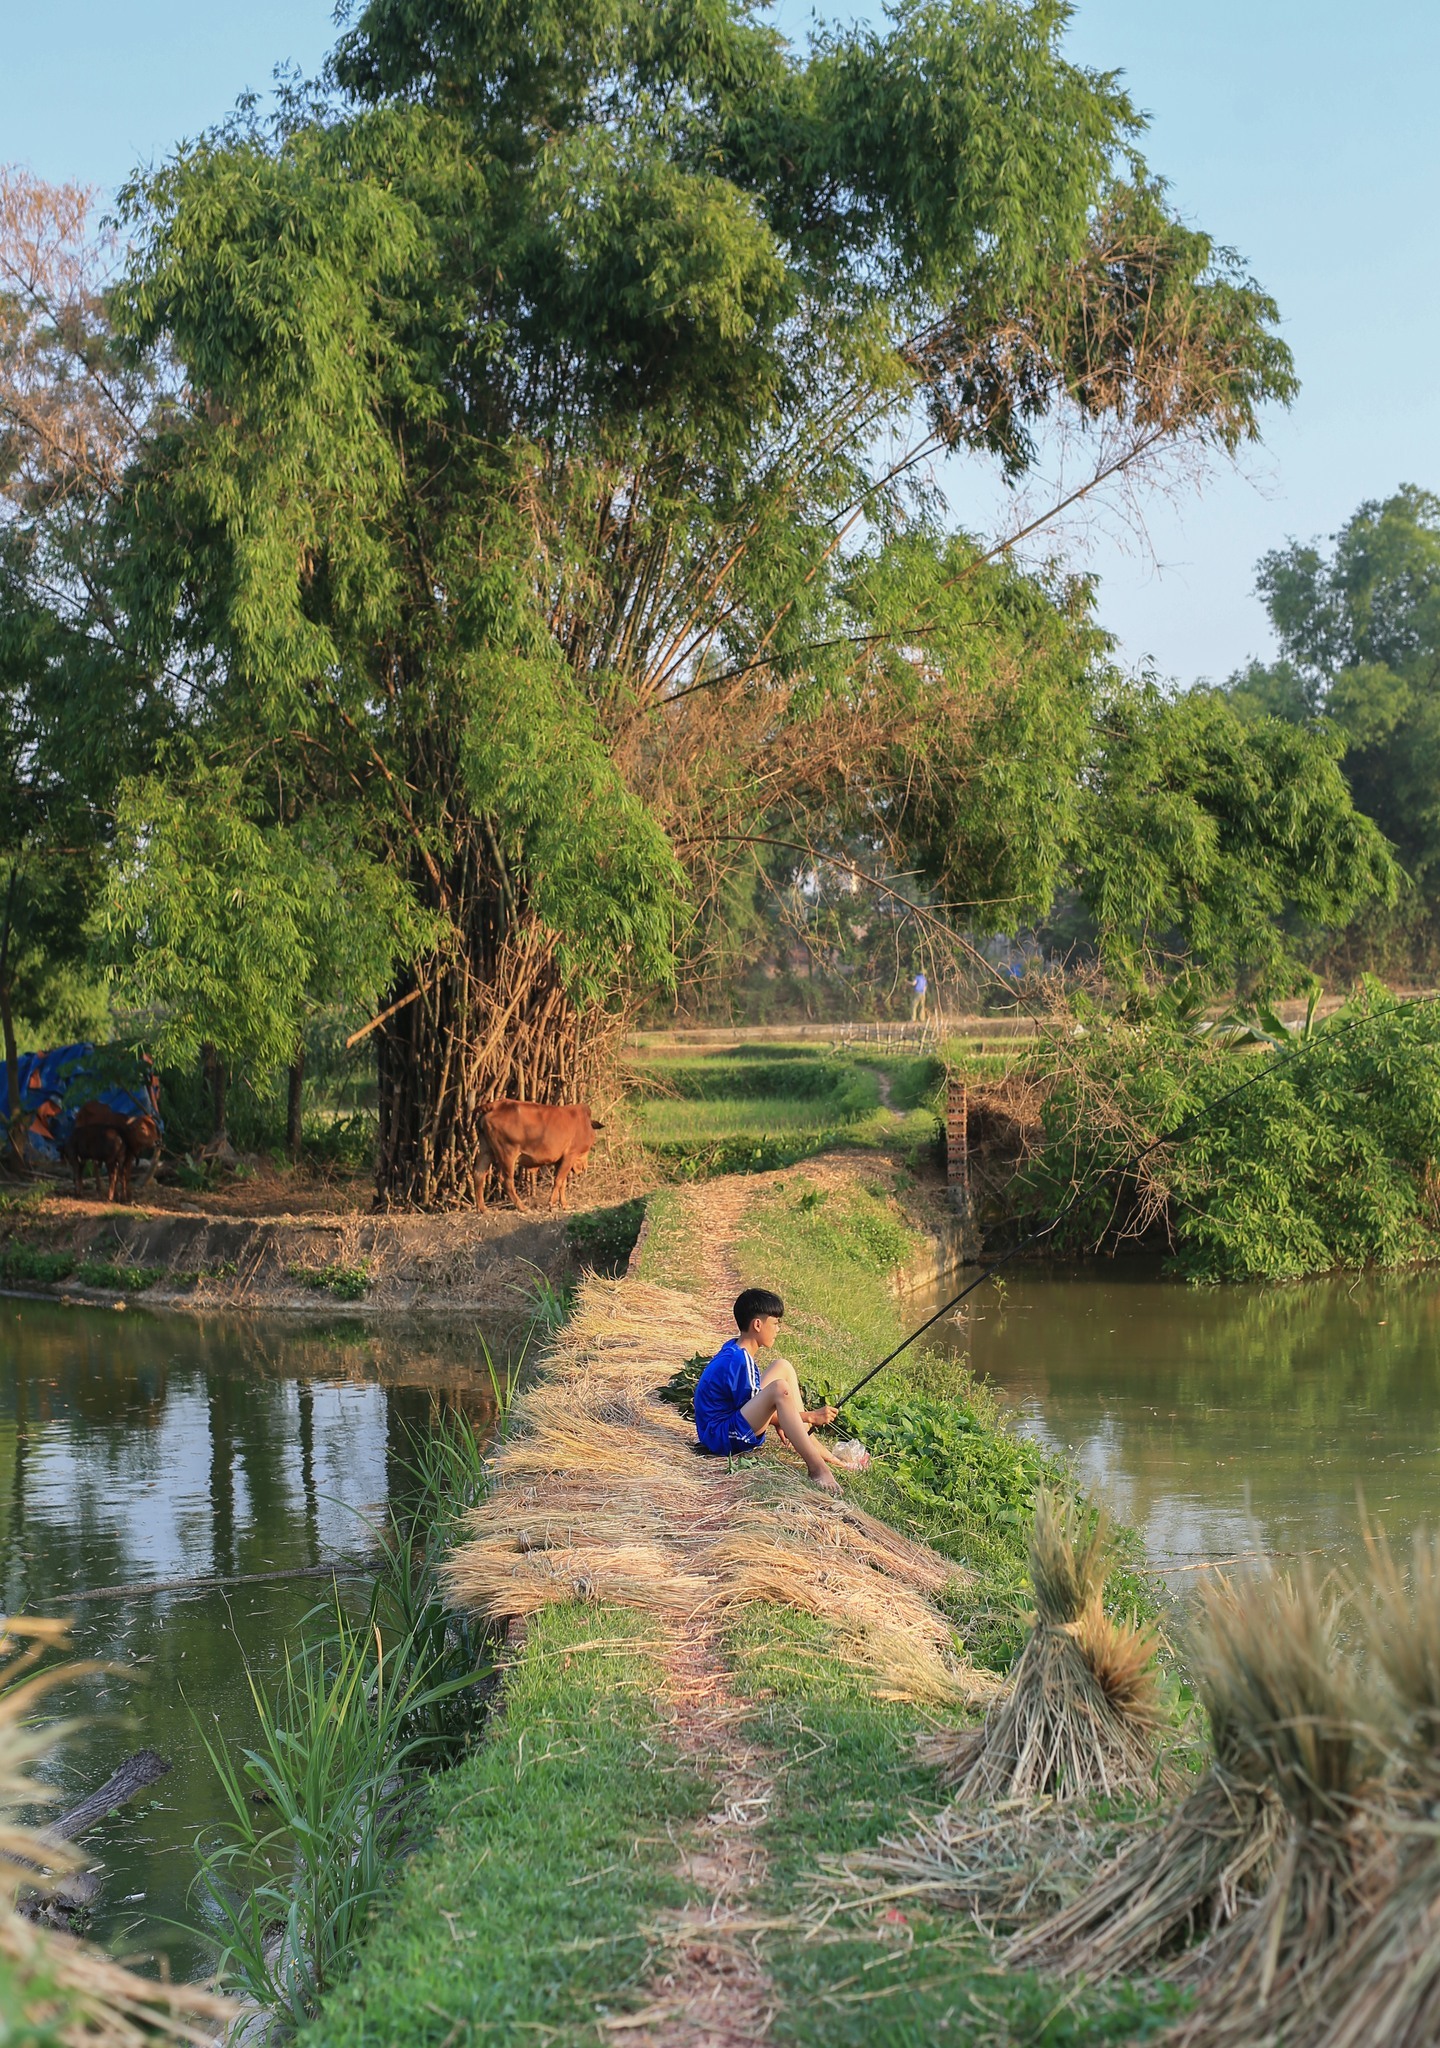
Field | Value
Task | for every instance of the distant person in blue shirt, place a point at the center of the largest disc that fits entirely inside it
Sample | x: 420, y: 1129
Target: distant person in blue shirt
x: 735, y: 1401
x: 919, y: 996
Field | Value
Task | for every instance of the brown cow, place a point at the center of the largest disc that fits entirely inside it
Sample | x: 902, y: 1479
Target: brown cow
x: 529, y: 1134
x: 135, y: 1134
x: 99, y: 1145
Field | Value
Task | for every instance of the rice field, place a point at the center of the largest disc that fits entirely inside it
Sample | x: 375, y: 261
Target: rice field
x: 755, y: 1108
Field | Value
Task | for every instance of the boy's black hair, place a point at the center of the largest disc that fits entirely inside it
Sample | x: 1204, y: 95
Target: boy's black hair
x: 756, y: 1301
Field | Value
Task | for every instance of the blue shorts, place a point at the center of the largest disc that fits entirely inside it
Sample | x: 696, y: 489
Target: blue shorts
x: 731, y: 1433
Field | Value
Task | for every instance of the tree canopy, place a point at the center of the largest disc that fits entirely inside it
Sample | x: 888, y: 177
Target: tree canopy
x: 1359, y: 634
x: 547, y: 506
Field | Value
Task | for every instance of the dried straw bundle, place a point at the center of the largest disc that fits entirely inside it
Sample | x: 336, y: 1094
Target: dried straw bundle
x: 499, y: 1580
x: 881, y: 1624
x: 1283, y: 1701
x: 829, y: 1524
x: 1385, y: 1984
x: 67, y: 1989
x: 1082, y: 1710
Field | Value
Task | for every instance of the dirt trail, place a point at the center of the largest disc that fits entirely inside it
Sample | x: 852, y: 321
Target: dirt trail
x: 598, y: 1496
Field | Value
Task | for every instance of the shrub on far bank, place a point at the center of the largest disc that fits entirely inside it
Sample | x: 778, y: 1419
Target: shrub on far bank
x: 1331, y: 1160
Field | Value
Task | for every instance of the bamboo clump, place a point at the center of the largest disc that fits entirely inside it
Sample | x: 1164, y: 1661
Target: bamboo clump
x: 69, y: 1992
x: 1081, y: 1712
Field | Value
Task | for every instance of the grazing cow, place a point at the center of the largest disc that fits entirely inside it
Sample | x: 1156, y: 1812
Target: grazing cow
x: 135, y: 1135
x: 99, y: 1145
x: 528, y: 1134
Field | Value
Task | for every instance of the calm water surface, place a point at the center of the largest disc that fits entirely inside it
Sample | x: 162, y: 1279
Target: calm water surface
x: 137, y: 1448
x: 1211, y: 1418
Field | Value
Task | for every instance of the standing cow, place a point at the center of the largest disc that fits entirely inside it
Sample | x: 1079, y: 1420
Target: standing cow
x: 529, y: 1134
x: 105, y: 1137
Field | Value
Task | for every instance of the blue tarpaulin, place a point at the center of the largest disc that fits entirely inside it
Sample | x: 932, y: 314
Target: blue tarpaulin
x: 55, y: 1084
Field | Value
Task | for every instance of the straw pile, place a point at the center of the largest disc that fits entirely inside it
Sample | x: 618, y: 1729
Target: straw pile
x: 1002, y: 1865
x: 1385, y: 1983
x: 1082, y: 1711
x: 69, y: 1992
x: 1217, y: 1849
x: 1260, y: 1858
x: 597, y: 1496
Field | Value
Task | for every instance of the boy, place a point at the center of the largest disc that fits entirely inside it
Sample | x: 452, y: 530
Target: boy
x: 734, y: 1401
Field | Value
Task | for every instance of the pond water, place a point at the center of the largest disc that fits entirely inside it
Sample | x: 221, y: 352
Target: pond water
x: 136, y: 1449
x: 1216, y: 1419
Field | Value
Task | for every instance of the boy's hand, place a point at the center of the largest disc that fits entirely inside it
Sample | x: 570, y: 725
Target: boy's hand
x: 819, y: 1418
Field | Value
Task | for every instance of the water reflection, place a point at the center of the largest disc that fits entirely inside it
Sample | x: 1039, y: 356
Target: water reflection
x: 1206, y: 1416
x: 136, y: 1449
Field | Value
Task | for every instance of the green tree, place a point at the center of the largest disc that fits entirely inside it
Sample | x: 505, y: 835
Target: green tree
x: 548, y: 507
x: 77, y: 711
x: 232, y: 927
x: 1359, y: 633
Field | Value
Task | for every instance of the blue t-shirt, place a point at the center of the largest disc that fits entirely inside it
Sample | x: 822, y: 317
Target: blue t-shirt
x: 722, y: 1390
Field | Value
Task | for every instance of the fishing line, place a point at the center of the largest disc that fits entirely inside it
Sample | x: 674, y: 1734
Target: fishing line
x: 1195, y: 1122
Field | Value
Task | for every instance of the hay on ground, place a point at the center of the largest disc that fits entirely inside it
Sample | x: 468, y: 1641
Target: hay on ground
x: 880, y: 1624
x: 500, y: 1581
x: 1385, y: 1982
x: 830, y: 1524
x: 1000, y: 1865
x: 1284, y: 1702
x: 1082, y: 1712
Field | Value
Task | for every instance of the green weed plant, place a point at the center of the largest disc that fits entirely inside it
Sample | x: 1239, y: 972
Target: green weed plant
x: 320, y: 1808
x: 346, y: 1283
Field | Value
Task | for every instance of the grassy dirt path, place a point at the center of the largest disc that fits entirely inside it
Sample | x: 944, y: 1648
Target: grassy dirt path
x: 599, y: 1496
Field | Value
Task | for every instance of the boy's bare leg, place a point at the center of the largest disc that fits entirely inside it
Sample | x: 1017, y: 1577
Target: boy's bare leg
x: 779, y: 1401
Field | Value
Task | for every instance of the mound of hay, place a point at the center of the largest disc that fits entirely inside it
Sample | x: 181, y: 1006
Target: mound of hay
x: 880, y: 1623
x: 830, y: 1524
x: 69, y: 1991
x: 1384, y: 1985
x: 1082, y: 1711
x: 1285, y: 1703
x: 502, y: 1580
x: 1000, y: 1865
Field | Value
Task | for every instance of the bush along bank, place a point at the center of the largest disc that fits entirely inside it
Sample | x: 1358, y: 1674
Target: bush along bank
x: 1330, y: 1160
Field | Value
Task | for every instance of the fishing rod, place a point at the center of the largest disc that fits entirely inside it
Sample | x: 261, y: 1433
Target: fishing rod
x: 1196, y: 1120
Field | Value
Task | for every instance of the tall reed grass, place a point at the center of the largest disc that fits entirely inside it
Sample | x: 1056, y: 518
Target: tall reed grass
x: 322, y: 1805
x: 56, y: 1992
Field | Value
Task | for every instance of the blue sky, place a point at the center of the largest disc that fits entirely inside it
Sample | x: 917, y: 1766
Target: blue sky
x: 1300, y: 132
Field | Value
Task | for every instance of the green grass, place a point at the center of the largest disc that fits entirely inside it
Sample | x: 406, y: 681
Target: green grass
x: 845, y: 1776
x: 768, y: 1107
x: 602, y: 1239
x: 670, y: 1255
x: 123, y: 1279
x: 346, y: 1283
x: 22, y: 1265
x: 524, y: 1919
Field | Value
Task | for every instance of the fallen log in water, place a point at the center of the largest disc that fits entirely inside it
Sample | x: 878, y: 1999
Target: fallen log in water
x: 78, y: 1892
